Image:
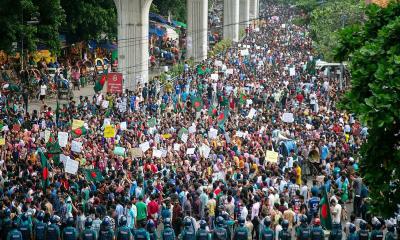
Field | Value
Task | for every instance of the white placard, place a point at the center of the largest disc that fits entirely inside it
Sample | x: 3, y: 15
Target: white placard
x: 288, y: 117
x: 192, y: 129
x: 184, y: 137
x: 251, y: 113
x: 214, y: 76
x: 190, y: 151
x: 177, y: 146
x: 157, y: 153
x: 212, y: 134
x: 283, y: 26
x: 71, y: 166
x: 64, y: 159
x: 292, y: 71
x: 229, y: 71
x: 46, y: 135
x: 218, y: 63
x: 105, y: 104
x: 205, y: 150
x: 144, y: 146
x: 244, y: 52
x: 76, y: 146
x: 63, y: 139
x: 123, y: 126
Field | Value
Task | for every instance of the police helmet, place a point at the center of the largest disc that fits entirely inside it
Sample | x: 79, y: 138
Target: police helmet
x: 188, y: 222
x: 363, y: 225
x: 7, y: 212
x: 352, y: 228
x: 70, y: 221
x: 241, y: 221
x: 285, y: 224
x: 150, y: 225
x: 220, y: 221
x: 267, y: 221
x: 106, y: 222
x: 40, y: 216
x: 54, y: 219
x: 167, y: 222
x: 303, y: 219
x: 88, y: 222
x: 123, y: 221
x: 377, y: 224
x: 203, y: 224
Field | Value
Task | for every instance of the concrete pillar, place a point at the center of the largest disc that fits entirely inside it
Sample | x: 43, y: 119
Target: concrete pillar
x: 231, y: 20
x: 244, y: 15
x: 197, y: 29
x: 253, y: 9
x: 133, y: 41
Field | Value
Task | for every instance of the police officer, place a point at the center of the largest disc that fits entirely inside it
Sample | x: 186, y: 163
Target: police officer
x: 7, y: 223
x: 123, y: 232
x: 377, y: 233
x: 141, y: 233
x: 202, y: 233
x: 228, y: 224
x: 151, y: 228
x: 14, y: 233
x: 220, y: 233
x: 352, y: 232
x: 390, y: 235
x: 266, y: 232
x: 285, y: 233
x: 106, y: 233
x: 88, y: 233
x: 40, y: 228
x: 70, y: 232
x: 336, y: 233
x: 167, y: 233
x: 241, y: 232
x: 25, y: 226
x: 316, y: 232
x: 188, y: 232
x: 53, y: 231
x: 363, y: 233
x: 303, y: 231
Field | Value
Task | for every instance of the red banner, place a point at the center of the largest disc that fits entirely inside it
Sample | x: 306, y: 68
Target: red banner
x: 114, y: 83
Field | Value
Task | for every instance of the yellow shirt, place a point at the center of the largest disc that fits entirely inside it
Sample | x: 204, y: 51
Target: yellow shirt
x: 298, y: 175
x: 211, y: 207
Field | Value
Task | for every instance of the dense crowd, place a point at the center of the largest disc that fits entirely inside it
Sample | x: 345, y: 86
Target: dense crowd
x: 249, y: 145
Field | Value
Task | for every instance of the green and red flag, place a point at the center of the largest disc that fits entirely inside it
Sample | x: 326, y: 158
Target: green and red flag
x: 93, y: 175
x: 52, y: 146
x: 198, y: 103
x: 201, y: 70
x: 325, y: 212
x: 78, y: 132
x: 212, y: 111
x: 242, y: 98
x: 98, y: 86
x: 45, y: 169
x: 222, y: 116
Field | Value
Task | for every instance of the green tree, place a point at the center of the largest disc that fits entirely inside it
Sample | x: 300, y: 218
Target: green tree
x: 330, y: 17
x: 90, y: 19
x: 374, y: 52
x: 176, y: 7
x: 13, y: 17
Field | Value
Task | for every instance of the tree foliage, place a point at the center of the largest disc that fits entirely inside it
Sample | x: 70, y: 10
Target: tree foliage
x: 330, y: 17
x: 176, y: 7
x: 374, y: 50
x: 90, y: 19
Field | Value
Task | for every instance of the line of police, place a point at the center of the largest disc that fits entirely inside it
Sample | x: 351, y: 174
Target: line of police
x: 24, y: 228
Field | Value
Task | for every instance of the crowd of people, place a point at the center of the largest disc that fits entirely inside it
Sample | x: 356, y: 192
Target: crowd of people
x: 248, y: 145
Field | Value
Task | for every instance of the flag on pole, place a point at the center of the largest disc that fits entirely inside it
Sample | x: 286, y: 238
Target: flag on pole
x: 222, y: 116
x: 45, y: 169
x: 98, y: 86
x: 325, y: 212
x: 198, y: 103
x: 212, y: 111
x: 242, y: 98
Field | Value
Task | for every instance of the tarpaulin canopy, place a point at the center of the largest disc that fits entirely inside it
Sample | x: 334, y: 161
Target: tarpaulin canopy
x: 154, y: 30
x: 180, y: 24
x: 157, y: 18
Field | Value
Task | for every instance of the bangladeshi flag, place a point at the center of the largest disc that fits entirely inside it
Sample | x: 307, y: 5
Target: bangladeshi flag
x: 197, y: 103
x: 79, y: 132
x: 242, y: 98
x: 98, y: 86
x: 45, y: 169
x: 325, y: 212
x: 212, y: 111
x: 93, y: 175
x: 222, y: 116
x: 201, y: 70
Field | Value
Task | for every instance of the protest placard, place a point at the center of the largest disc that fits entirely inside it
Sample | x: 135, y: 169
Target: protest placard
x: 77, y: 124
x: 271, y: 156
x: 288, y: 117
x: 62, y: 139
x: 109, y: 131
x: 144, y: 146
x: 71, y: 166
x: 76, y: 146
x: 136, y: 152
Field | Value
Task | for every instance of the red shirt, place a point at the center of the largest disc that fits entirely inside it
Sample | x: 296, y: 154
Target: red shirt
x: 152, y: 208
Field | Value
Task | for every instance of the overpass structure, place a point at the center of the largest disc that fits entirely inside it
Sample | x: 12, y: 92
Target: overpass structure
x: 133, y: 28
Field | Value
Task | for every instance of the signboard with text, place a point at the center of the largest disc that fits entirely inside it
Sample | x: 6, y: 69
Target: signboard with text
x: 114, y: 83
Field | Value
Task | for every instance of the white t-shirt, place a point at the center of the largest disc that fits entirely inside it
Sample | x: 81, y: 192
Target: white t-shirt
x: 43, y: 89
x: 337, y: 213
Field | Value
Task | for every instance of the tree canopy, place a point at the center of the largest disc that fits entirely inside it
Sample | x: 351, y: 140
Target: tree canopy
x: 374, y: 52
